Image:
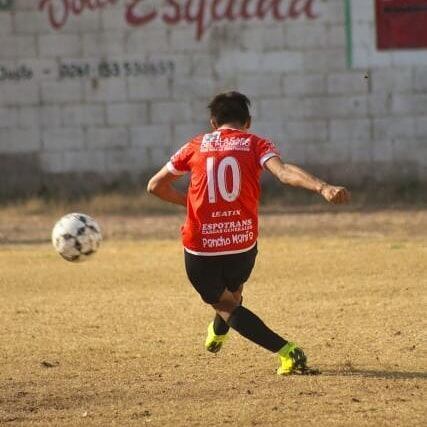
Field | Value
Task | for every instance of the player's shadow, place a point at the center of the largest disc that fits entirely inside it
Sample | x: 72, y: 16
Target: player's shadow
x: 368, y: 373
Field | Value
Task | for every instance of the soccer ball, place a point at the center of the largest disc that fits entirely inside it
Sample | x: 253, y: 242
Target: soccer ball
x: 76, y: 236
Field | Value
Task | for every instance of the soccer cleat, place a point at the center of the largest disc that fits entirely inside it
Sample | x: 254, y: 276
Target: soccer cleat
x: 213, y: 342
x: 292, y: 360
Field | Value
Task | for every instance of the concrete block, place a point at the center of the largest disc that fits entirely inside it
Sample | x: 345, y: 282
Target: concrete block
x: 157, y: 156
x: 83, y: 23
x: 339, y: 107
x: 262, y: 39
x: 324, y: 60
x: 17, y: 47
x: 151, y: 136
x: 30, y: 22
x: 184, y: 132
x: 307, y: 130
x: 24, y: 5
x: 170, y: 112
x: 335, y: 36
x: 182, y: 39
x: 254, y: 86
x: 421, y: 127
x: 293, y: 152
x: 191, y: 88
x: 420, y: 79
x: 409, y: 104
x: 202, y: 66
x: 5, y: 24
x: 350, y: 130
x: 143, y: 42
x: 361, y: 151
x: 347, y: 83
x: 59, y: 45
x: 28, y: 117
x: 327, y: 154
x: 50, y: 117
x: 52, y: 162
x: 130, y: 160
x: 63, y: 139
x: 149, y: 88
x: 363, y: 12
x: 105, y: 90
x: 23, y: 93
x: 306, y: 35
x: 83, y: 115
x: 112, y: 19
x: 382, y: 151
x: 85, y: 161
x: 8, y: 118
x: 105, y: 43
x: 270, y: 129
x: 391, y: 80
x: 304, y: 84
x: 331, y: 11
x: 281, y: 108
x: 104, y: 138
x: 379, y: 104
x: 125, y: 114
x: 54, y: 92
x: 269, y: 62
x: 392, y: 128
x: 19, y: 141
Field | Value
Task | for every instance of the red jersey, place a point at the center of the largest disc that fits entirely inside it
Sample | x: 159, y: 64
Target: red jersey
x: 224, y: 191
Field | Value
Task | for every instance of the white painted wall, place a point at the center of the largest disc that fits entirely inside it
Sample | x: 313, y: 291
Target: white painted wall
x: 361, y: 124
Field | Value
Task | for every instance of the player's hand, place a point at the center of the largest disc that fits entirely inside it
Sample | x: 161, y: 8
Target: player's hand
x: 335, y: 195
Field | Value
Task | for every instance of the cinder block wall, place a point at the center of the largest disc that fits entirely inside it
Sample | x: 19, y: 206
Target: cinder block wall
x: 98, y: 94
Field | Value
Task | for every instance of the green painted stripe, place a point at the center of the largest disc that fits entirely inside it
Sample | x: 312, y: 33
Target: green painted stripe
x: 348, y: 33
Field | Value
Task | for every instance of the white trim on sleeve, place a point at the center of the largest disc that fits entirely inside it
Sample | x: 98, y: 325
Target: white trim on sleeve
x: 171, y: 168
x: 266, y: 157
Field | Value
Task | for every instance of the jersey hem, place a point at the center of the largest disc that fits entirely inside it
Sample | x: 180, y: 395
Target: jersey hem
x: 219, y: 253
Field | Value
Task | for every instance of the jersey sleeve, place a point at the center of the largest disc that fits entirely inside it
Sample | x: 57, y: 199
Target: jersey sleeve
x: 179, y: 162
x: 265, y: 151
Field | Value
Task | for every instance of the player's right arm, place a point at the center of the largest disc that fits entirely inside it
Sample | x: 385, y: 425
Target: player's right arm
x: 297, y: 177
x: 161, y: 186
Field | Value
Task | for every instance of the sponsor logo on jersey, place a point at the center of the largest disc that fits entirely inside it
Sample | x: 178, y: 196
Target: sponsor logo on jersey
x: 214, y: 142
x: 227, y: 227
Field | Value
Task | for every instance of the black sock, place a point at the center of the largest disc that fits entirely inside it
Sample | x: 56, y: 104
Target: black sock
x: 254, y: 329
x: 220, y: 326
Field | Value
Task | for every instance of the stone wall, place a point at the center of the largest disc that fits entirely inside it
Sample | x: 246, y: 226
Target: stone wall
x: 107, y: 88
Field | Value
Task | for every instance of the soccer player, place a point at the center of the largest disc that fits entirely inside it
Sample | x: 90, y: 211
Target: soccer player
x: 221, y: 229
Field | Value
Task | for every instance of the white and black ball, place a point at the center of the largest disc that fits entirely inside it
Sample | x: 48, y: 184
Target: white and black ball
x: 76, y: 237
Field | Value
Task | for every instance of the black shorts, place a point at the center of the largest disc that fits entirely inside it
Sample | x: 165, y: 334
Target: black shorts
x: 211, y: 275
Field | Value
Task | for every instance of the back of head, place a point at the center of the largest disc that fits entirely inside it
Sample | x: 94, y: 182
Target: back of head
x: 230, y: 107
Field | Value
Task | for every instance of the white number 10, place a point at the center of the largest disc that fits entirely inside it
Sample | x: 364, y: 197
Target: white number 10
x: 220, y: 182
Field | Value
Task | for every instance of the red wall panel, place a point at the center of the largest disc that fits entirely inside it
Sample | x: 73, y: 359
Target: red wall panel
x: 401, y: 24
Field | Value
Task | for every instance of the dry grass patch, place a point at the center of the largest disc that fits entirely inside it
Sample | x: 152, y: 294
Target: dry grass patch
x: 118, y: 340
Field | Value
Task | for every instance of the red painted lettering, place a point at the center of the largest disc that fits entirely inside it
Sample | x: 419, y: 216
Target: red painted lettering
x: 135, y: 17
x: 200, y: 13
x: 175, y: 17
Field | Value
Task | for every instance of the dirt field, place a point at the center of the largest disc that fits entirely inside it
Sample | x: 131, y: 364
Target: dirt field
x: 118, y: 340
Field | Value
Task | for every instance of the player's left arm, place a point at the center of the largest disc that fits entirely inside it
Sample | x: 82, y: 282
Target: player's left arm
x: 297, y: 177
x: 161, y: 186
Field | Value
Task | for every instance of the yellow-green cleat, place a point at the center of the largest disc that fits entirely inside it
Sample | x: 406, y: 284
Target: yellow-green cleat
x: 213, y: 342
x: 292, y: 360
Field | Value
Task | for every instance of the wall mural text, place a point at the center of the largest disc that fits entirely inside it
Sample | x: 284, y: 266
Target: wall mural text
x: 80, y: 69
x: 200, y: 13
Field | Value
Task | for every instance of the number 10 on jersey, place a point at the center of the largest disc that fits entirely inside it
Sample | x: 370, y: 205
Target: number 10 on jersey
x: 217, y: 177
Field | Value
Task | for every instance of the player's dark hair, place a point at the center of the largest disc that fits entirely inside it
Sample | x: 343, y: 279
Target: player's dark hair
x: 230, y: 107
